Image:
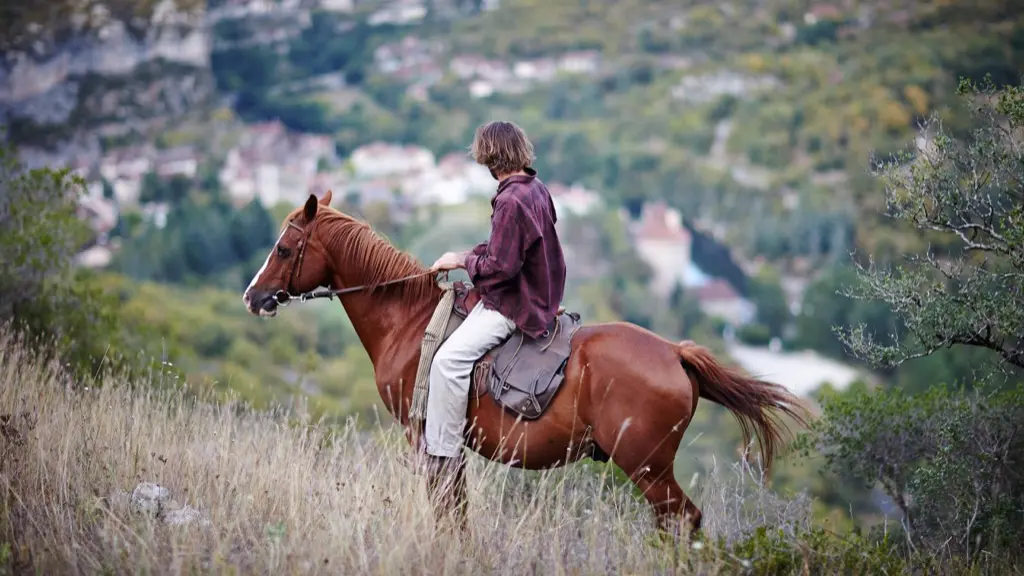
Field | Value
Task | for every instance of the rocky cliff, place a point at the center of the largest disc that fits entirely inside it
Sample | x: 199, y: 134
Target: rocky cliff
x: 103, y: 70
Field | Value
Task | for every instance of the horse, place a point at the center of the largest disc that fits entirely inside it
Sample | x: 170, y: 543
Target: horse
x: 628, y: 393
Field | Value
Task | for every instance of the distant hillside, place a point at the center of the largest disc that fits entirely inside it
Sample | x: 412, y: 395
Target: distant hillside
x: 759, y: 120
x: 761, y: 114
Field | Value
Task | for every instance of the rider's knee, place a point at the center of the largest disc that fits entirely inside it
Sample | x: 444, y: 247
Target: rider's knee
x: 446, y: 367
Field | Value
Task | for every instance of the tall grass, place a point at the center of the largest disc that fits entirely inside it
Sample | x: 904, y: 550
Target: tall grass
x: 284, y: 495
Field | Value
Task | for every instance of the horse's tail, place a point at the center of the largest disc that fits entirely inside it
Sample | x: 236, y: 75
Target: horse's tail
x: 755, y: 403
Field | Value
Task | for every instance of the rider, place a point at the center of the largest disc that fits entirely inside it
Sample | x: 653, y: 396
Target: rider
x: 519, y: 273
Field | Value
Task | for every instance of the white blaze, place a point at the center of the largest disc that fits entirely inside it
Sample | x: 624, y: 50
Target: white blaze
x: 266, y: 262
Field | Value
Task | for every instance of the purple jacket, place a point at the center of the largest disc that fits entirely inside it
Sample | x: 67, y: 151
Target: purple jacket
x: 520, y: 270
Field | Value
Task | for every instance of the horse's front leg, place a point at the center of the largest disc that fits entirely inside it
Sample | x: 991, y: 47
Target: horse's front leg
x: 446, y: 486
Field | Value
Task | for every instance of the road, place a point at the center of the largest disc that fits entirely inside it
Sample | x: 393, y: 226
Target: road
x: 800, y: 372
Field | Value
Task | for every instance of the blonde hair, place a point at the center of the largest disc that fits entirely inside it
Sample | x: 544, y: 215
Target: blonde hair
x: 502, y: 147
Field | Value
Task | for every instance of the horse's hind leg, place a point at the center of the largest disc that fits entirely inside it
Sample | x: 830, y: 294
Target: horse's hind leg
x: 671, y: 505
x: 654, y: 477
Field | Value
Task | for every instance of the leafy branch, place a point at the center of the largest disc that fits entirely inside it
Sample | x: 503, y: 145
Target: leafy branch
x: 969, y: 192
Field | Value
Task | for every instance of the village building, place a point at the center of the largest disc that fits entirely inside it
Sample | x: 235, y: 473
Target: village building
x: 664, y: 244
x: 718, y: 299
x: 274, y: 165
x: 575, y: 200
x: 381, y: 159
x: 400, y: 12
x: 180, y: 161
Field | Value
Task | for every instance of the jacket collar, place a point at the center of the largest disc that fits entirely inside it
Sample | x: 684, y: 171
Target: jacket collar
x: 530, y: 175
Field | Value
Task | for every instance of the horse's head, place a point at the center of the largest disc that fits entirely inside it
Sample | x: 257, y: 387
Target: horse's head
x: 296, y: 263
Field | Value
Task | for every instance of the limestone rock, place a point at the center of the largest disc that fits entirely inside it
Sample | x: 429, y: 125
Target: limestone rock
x: 150, y: 498
x: 186, y: 515
x: 155, y: 500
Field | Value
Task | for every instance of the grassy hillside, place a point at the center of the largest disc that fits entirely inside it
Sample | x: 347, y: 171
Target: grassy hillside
x: 271, y: 493
x: 309, y: 352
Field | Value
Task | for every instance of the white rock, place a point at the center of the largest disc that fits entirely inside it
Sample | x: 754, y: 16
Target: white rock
x: 149, y: 497
x: 186, y: 515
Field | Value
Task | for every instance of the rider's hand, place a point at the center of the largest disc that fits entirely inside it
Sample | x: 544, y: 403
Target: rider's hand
x: 448, y: 261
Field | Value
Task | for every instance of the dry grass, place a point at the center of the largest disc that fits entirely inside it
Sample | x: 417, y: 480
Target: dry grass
x: 287, y: 497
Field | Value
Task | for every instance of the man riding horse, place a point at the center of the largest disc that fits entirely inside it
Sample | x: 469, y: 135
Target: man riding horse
x: 627, y: 394
x: 519, y: 273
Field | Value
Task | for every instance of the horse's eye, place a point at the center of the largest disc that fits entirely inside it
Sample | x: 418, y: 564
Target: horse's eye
x: 283, y: 252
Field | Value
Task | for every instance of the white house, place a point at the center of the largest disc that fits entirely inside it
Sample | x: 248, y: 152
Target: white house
x: 718, y: 299
x: 403, y: 12
x: 663, y: 242
x: 182, y: 161
x: 380, y: 159
x: 453, y: 181
x: 274, y: 165
x: 584, y: 62
x: 699, y: 88
x: 129, y: 164
x: 573, y: 199
x: 540, y: 70
x: 268, y: 183
x: 337, y: 5
x: 100, y: 213
x: 480, y: 89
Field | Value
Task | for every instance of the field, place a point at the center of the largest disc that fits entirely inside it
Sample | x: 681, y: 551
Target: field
x: 273, y: 493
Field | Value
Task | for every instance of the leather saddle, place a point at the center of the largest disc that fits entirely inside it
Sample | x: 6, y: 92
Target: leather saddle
x: 522, y: 374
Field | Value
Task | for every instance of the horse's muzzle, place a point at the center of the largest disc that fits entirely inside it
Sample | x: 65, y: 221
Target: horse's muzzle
x: 261, y: 303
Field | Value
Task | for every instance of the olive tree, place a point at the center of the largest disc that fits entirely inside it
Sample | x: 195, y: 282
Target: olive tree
x: 967, y: 193
x: 948, y: 459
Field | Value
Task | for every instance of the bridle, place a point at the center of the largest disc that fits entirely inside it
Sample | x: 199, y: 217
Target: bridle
x: 284, y: 297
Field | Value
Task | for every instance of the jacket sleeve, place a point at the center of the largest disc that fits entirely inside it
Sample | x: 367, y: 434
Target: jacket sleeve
x: 503, y: 254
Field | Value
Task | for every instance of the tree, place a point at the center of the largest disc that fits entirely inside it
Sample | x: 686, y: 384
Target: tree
x: 685, y: 309
x: 251, y: 230
x: 969, y: 190
x: 767, y: 294
x: 948, y: 459
x: 42, y: 293
x: 151, y: 189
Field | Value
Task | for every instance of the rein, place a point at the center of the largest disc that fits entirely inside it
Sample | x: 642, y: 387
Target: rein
x: 283, y: 298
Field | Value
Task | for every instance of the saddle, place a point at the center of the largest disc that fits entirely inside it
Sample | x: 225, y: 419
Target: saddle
x: 522, y: 374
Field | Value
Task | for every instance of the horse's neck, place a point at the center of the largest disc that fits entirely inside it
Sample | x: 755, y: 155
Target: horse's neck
x: 379, y: 320
x: 382, y: 317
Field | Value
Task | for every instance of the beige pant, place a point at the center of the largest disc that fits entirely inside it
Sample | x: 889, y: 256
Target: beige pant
x: 450, y: 375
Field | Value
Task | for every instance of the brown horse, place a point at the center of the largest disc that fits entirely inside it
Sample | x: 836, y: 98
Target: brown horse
x: 628, y: 394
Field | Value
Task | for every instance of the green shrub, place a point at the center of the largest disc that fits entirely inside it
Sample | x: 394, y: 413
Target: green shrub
x: 816, y: 551
x: 42, y: 293
x: 754, y: 334
x: 948, y: 459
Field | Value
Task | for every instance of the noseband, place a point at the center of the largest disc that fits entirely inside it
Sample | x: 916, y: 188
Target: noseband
x: 284, y: 297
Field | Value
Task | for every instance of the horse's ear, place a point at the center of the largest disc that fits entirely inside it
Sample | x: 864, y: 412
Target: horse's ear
x: 310, y: 209
x: 326, y: 200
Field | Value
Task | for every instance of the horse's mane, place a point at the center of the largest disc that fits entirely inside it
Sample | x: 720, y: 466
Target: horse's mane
x: 380, y: 261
